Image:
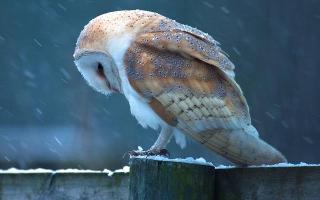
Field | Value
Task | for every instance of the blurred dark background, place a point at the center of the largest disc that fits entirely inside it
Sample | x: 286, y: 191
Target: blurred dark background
x: 49, y: 117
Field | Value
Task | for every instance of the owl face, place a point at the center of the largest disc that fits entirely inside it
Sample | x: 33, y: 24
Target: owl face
x: 99, y: 70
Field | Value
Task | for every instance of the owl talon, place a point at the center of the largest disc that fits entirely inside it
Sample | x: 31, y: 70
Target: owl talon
x: 160, y: 152
x: 164, y: 152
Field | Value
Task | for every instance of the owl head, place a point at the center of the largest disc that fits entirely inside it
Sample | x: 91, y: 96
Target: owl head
x: 98, y: 69
x: 93, y: 60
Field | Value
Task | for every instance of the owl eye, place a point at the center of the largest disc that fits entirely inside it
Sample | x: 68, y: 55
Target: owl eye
x: 100, y: 71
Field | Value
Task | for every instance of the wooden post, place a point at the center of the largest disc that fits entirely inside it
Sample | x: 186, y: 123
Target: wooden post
x: 164, y: 180
x: 264, y: 183
x: 64, y: 185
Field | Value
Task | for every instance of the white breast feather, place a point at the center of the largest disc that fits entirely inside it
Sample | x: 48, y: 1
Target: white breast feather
x: 139, y: 106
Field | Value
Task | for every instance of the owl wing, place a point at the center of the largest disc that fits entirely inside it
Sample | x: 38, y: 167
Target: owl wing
x: 190, y: 84
x: 191, y: 41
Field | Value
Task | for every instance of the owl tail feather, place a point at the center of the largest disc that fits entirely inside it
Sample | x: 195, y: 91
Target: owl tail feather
x: 241, y: 146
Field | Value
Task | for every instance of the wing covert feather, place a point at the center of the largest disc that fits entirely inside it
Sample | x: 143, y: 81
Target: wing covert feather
x: 194, y: 93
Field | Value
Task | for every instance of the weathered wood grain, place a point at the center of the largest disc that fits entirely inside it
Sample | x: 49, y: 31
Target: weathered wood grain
x: 164, y: 180
x: 63, y: 186
x: 265, y: 183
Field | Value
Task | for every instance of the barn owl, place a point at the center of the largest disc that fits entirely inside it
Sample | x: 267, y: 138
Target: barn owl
x: 176, y: 78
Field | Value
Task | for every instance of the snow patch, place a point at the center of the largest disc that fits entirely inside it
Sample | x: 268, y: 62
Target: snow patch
x: 125, y: 169
x: 202, y: 161
x: 29, y: 171
x: 301, y: 164
x: 225, y: 166
x: 189, y: 160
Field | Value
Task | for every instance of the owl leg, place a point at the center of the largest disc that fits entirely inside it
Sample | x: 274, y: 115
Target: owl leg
x: 158, y: 148
x: 163, y: 139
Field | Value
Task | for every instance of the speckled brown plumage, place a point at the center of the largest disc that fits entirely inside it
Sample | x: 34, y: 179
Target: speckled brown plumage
x: 189, y: 88
x: 192, y: 81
